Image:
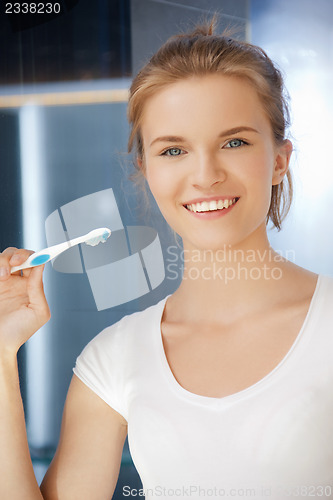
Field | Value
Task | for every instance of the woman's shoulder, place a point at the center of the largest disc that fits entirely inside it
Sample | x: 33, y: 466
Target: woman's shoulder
x: 131, y: 326
x: 320, y: 287
x: 108, y: 361
x: 144, y: 317
x: 327, y: 279
x: 321, y: 306
x: 303, y: 283
x: 325, y: 289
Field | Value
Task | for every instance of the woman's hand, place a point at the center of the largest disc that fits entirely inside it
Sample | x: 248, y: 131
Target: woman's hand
x: 23, y: 306
x: 23, y: 310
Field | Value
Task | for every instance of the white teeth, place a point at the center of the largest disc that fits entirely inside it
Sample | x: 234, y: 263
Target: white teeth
x: 207, y: 206
x: 203, y: 207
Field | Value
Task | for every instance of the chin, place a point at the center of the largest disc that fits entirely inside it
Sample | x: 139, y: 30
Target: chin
x: 223, y: 242
x: 209, y: 244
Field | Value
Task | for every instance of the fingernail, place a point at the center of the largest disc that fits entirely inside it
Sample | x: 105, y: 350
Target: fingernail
x: 3, y: 272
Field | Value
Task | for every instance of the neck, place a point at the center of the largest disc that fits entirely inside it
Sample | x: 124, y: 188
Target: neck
x: 229, y: 281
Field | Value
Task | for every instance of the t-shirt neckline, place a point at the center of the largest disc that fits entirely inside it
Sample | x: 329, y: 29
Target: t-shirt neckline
x: 198, y: 398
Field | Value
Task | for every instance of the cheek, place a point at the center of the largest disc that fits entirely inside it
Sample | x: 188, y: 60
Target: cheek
x: 259, y: 171
x: 154, y: 177
x: 158, y: 184
x: 258, y: 184
x: 162, y: 181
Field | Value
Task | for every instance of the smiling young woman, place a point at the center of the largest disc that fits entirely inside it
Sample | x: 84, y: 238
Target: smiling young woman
x: 224, y: 386
x: 225, y: 150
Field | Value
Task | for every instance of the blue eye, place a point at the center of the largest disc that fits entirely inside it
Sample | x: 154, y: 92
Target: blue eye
x: 172, y: 152
x: 235, y: 143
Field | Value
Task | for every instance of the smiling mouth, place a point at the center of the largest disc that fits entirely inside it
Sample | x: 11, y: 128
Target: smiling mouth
x: 211, y: 206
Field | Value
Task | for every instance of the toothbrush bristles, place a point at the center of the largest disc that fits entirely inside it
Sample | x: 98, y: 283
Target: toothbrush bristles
x: 101, y: 238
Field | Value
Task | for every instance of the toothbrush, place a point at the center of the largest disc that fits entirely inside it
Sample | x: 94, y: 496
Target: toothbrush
x: 37, y: 259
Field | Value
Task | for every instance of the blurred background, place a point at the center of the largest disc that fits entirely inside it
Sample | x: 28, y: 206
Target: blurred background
x: 64, y: 77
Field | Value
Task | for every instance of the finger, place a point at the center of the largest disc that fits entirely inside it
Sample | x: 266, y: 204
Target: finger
x: 36, y: 292
x: 18, y: 258
x: 11, y: 257
x: 26, y: 272
x: 18, y: 254
x: 8, y: 252
x: 5, y: 256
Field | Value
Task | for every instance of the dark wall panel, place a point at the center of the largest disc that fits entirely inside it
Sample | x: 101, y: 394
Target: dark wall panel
x: 153, y: 21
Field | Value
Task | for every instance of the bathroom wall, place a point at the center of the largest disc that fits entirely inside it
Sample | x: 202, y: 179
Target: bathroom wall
x: 298, y: 35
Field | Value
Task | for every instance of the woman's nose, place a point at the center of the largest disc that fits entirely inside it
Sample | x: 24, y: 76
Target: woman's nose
x: 207, y: 171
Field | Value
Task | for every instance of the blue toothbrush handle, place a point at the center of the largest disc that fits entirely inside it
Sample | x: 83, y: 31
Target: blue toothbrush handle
x: 32, y: 261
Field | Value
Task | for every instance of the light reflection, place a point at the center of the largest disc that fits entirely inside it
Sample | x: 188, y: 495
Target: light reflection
x: 37, y: 351
x: 298, y: 37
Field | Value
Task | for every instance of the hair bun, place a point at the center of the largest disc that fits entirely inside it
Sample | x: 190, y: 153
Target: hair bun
x: 206, y: 28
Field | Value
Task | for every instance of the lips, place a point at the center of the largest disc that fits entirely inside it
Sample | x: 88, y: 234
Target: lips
x: 211, y: 204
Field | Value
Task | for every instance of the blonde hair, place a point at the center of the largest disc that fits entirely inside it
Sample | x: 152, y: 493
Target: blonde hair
x: 201, y: 52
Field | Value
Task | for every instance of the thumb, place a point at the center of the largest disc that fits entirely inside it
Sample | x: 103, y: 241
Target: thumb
x: 36, y: 291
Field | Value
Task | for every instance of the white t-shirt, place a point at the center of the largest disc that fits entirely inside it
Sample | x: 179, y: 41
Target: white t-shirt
x: 272, y: 440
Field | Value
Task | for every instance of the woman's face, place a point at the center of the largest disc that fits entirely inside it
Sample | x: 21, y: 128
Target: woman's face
x: 207, y: 139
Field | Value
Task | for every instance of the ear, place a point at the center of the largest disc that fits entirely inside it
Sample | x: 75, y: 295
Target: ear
x: 282, y: 159
x: 139, y: 161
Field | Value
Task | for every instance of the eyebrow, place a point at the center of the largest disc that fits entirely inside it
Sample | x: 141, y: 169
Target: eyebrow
x: 176, y: 138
